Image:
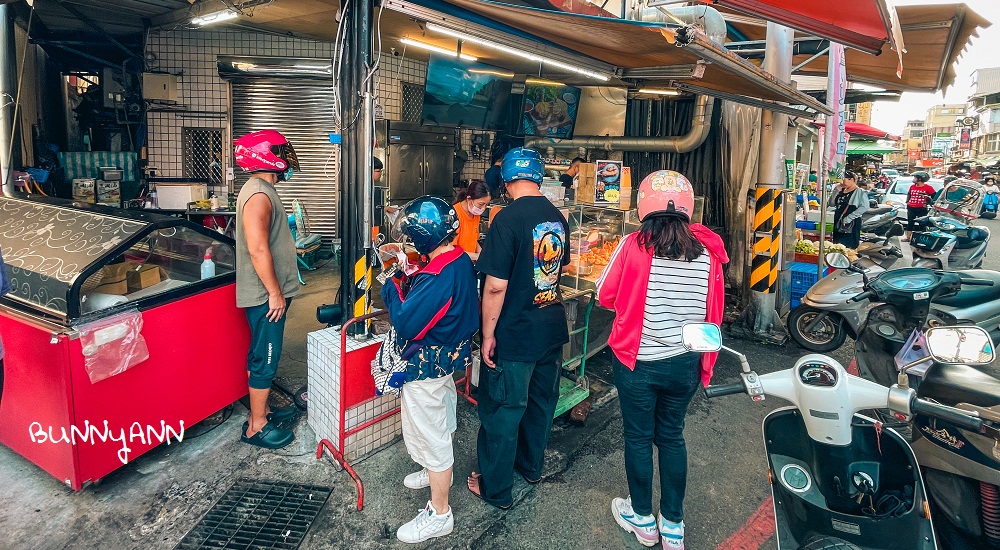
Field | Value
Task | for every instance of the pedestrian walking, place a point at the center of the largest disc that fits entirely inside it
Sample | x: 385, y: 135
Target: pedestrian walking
x: 918, y: 200
x: 436, y: 318
x: 266, y: 276
x: 849, y: 204
x: 667, y: 273
x: 524, y: 329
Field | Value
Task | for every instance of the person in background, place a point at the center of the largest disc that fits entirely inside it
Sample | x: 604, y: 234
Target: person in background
x: 813, y: 179
x: 4, y: 289
x: 918, y: 200
x: 472, y: 203
x: 667, y: 273
x: 524, y: 329
x: 990, y: 185
x: 494, y: 181
x: 849, y: 203
x: 266, y: 276
x: 568, y: 178
x: 436, y: 317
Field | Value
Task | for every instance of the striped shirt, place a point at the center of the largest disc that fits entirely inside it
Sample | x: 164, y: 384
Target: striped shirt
x: 677, y: 292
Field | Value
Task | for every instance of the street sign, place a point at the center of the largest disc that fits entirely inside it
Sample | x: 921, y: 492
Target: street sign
x: 913, y: 154
x: 942, y: 135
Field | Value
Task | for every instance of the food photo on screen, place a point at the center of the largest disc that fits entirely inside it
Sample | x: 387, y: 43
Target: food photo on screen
x: 466, y: 94
x: 549, y: 110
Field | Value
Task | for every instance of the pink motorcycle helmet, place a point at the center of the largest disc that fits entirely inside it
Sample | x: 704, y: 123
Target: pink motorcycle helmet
x: 265, y: 151
x: 666, y: 193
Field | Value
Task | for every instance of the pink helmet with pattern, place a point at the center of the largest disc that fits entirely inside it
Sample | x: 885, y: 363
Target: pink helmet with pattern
x: 666, y: 193
x: 265, y: 151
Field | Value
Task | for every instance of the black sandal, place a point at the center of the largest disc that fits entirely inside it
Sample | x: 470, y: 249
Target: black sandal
x: 269, y: 437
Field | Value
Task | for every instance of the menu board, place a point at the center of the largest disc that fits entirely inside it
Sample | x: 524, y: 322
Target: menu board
x: 549, y: 110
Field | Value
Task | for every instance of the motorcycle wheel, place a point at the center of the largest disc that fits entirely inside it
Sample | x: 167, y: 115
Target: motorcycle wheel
x: 828, y: 543
x: 828, y: 336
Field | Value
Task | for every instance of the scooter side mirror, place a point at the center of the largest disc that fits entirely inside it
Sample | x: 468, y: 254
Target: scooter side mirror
x: 838, y: 260
x: 967, y: 345
x: 701, y: 337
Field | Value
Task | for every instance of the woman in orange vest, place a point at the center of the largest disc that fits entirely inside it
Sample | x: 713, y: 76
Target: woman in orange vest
x: 472, y: 203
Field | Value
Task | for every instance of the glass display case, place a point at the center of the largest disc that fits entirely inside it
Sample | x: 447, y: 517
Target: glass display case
x: 70, y: 260
x: 594, y: 233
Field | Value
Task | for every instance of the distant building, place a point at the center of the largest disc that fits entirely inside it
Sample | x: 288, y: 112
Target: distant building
x: 940, y: 135
x: 985, y: 108
x: 910, y: 140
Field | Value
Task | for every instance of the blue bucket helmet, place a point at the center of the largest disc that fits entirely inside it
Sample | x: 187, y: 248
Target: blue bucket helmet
x: 522, y: 163
x: 427, y: 222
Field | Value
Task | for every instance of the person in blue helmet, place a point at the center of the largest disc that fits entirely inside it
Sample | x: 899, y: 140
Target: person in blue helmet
x: 523, y: 330
x: 436, y: 315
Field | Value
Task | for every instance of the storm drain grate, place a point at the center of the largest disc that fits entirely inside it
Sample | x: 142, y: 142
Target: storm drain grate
x: 258, y: 514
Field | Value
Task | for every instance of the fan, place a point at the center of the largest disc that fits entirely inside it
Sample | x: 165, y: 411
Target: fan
x: 301, y: 219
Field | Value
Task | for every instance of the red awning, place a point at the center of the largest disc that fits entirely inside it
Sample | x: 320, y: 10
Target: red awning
x: 857, y: 129
x: 865, y: 25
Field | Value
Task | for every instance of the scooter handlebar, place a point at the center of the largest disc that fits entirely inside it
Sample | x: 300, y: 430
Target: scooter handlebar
x: 726, y: 389
x: 977, y: 282
x: 958, y: 417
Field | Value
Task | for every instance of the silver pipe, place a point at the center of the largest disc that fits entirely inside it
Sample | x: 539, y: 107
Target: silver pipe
x: 700, y: 125
x: 8, y: 91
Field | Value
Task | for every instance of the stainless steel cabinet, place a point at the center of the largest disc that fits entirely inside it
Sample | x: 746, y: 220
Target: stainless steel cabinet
x: 419, y: 160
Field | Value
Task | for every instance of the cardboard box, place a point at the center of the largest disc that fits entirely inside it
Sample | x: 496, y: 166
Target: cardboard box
x: 142, y: 276
x: 586, y: 184
x: 84, y: 189
x: 109, y: 192
x: 113, y: 279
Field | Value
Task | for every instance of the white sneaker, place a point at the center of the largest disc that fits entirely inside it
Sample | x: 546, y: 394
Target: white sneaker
x: 643, y: 527
x: 427, y: 525
x: 419, y: 480
x: 671, y: 533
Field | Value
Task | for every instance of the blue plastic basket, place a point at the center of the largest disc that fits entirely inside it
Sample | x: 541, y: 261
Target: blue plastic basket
x: 803, y: 278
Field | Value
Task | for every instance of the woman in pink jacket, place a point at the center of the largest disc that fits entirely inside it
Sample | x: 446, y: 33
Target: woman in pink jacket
x: 667, y: 273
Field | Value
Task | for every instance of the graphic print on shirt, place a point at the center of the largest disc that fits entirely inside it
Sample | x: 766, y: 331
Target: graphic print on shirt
x: 550, y: 246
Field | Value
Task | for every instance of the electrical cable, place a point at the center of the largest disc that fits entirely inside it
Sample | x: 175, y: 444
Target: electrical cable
x: 226, y: 415
x: 17, y: 100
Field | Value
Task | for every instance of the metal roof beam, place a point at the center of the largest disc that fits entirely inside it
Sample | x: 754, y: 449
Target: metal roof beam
x: 100, y: 30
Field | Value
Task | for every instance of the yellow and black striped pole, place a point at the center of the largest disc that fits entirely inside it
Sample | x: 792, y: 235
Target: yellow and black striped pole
x: 766, y: 240
x: 363, y: 282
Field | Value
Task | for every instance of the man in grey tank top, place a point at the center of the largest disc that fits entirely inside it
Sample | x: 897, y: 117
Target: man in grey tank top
x: 266, y: 276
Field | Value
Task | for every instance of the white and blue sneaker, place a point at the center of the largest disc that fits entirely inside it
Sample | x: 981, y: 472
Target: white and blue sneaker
x: 643, y: 527
x: 672, y: 534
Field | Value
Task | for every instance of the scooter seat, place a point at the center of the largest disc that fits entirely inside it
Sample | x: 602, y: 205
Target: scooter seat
x: 954, y: 384
x: 973, y: 295
x: 974, y: 236
x: 877, y: 211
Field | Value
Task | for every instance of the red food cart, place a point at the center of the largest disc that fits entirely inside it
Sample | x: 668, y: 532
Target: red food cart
x: 115, y: 343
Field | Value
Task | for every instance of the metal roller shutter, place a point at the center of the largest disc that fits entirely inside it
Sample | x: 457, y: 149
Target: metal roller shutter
x: 302, y: 110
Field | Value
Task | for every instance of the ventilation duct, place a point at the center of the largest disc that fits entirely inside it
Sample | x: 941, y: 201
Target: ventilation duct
x: 702, y: 16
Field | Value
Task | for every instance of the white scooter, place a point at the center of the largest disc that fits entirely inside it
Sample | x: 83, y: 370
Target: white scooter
x: 840, y: 480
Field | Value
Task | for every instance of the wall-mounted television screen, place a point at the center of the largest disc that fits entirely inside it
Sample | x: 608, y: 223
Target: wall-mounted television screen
x: 466, y: 94
x: 549, y: 110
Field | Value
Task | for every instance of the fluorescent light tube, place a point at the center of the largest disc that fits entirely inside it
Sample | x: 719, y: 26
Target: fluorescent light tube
x: 543, y: 82
x: 438, y: 49
x: 217, y: 17
x: 655, y: 91
x: 513, y: 51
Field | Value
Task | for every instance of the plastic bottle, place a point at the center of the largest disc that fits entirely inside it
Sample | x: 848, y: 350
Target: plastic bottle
x: 208, y: 266
x: 215, y: 202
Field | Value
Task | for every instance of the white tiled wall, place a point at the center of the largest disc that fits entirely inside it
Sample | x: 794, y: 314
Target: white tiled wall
x: 192, y: 54
x: 324, y: 372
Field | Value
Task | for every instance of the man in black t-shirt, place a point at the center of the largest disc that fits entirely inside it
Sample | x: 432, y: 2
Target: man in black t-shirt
x: 492, y: 176
x: 524, y: 329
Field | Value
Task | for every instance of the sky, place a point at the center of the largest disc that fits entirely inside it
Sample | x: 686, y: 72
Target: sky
x: 982, y: 53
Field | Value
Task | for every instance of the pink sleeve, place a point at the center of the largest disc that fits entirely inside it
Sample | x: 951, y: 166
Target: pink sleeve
x: 610, y: 280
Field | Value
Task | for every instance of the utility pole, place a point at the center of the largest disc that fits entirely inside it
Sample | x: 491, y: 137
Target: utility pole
x: 760, y: 320
x: 10, y: 150
x: 357, y: 127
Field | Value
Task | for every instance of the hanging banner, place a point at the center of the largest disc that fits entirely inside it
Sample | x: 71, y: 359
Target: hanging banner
x: 913, y: 154
x: 965, y: 142
x: 835, y: 151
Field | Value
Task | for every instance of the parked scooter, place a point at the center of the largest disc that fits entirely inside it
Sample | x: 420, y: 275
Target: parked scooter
x: 964, y: 466
x: 991, y: 202
x: 949, y: 241
x: 824, y: 318
x: 878, y: 220
x: 838, y: 479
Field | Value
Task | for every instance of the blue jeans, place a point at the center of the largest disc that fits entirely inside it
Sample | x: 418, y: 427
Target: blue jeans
x: 654, y: 399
